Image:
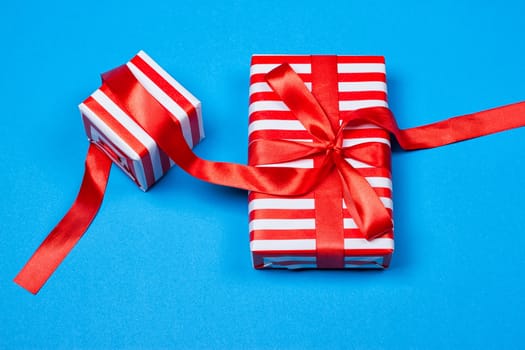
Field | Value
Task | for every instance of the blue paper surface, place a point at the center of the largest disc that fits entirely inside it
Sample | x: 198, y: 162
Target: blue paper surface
x: 171, y: 268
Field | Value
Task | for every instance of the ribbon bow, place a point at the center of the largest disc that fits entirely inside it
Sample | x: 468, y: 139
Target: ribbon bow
x: 362, y: 202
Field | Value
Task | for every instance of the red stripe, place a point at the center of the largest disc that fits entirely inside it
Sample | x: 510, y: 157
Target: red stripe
x: 363, y: 133
x: 282, y: 234
x: 260, y: 77
x: 360, y: 59
x: 368, y: 252
x: 279, y: 59
x: 164, y: 161
x: 124, y: 134
x: 275, y: 134
x: 273, y: 59
x: 362, y: 95
x: 280, y: 135
x: 303, y: 234
x: 355, y: 233
x: 290, y: 213
x: 348, y: 253
x: 282, y: 214
x: 343, y: 96
x: 179, y: 99
x: 343, y: 77
x: 271, y: 115
x: 358, y: 77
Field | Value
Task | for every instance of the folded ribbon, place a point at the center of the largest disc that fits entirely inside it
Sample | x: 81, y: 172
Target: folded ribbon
x: 317, y: 117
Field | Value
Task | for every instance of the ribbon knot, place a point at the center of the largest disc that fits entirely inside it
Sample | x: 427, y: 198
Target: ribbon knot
x: 336, y: 145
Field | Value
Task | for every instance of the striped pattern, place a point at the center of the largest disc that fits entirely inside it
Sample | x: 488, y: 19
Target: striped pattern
x: 123, y: 140
x: 282, y: 230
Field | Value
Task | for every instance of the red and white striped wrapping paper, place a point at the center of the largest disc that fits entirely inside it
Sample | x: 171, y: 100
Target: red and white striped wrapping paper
x: 282, y: 229
x: 123, y: 140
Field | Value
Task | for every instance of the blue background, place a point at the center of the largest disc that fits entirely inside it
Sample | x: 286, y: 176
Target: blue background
x: 171, y: 268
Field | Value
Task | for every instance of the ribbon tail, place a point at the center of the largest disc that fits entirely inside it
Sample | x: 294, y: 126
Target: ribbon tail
x: 362, y: 202
x: 448, y: 131
x: 70, y: 229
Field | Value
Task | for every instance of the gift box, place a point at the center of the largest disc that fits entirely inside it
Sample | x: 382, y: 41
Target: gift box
x: 319, y: 151
x: 289, y: 231
x: 118, y: 135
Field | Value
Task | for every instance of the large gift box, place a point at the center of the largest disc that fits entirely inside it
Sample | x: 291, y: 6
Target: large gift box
x: 292, y: 231
x: 116, y: 133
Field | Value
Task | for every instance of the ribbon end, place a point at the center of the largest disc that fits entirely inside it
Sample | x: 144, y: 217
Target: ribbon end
x: 27, y: 283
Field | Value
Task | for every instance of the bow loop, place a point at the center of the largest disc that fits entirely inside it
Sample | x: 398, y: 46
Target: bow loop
x: 289, y: 86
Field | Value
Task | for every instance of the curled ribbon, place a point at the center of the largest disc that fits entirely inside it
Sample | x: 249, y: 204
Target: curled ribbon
x: 361, y: 200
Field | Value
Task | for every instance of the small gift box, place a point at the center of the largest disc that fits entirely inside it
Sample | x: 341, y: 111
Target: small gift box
x: 119, y: 136
x: 315, y: 230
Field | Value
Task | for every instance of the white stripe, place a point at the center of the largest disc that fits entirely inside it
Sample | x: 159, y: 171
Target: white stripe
x: 357, y: 86
x: 165, y: 101
x: 361, y: 68
x: 198, y: 108
x: 271, y: 124
x: 292, y: 224
x: 358, y: 164
x: 354, y: 86
x: 307, y: 203
x: 387, y: 202
x: 264, y: 87
x: 359, y: 141
x: 260, y: 106
x: 358, y: 104
x: 133, y: 128
x: 281, y: 203
x: 282, y: 244
x: 378, y: 181
x: 309, y: 244
x: 266, y: 67
x: 282, y: 224
x: 349, y: 224
x: 362, y: 243
x: 286, y: 258
x: 296, y: 125
x: 115, y: 138
x: 307, y: 68
x: 301, y: 164
x: 309, y: 163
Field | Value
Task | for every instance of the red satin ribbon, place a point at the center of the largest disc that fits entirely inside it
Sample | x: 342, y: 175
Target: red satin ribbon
x: 70, y: 229
x: 361, y: 201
